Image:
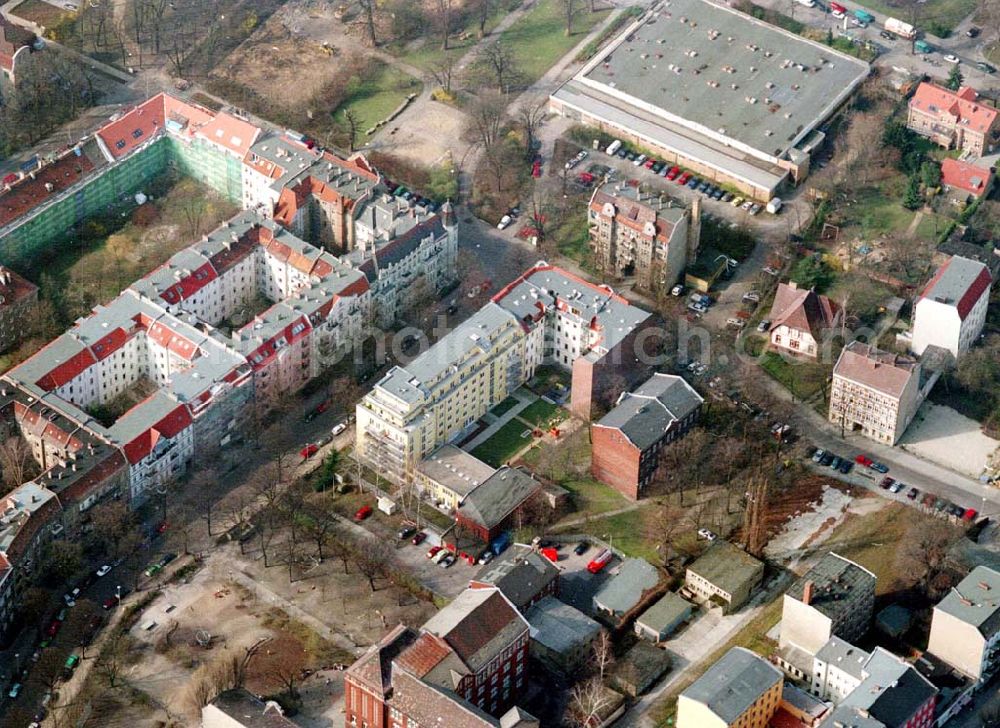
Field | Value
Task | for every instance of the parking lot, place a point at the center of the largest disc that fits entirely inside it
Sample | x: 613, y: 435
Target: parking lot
x: 577, y: 586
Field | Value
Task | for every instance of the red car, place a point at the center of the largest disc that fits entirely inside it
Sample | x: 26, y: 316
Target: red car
x: 887, y: 482
x: 54, y: 628
x: 674, y: 171
x: 682, y: 180
x: 649, y: 163
x: 418, y: 538
x: 363, y: 513
x: 536, y: 168
x: 308, y: 451
x: 970, y: 515
x: 864, y: 460
x: 434, y: 550
x: 110, y: 603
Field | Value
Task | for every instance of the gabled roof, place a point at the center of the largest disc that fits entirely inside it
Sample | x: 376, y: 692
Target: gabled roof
x: 521, y: 573
x: 965, y: 176
x: 892, y: 691
x: 960, y: 282
x: 645, y: 415
x: 955, y: 107
x: 976, y: 600
x: 625, y: 590
x: 478, y: 624
x: 803, y: 310
x: 498, y: 496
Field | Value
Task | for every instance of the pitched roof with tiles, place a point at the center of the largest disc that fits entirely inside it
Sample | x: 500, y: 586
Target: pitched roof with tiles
x: 374, y: 668
x: 43, y: 184
x: 521, y: 573
x: 954, y: 107
x: 646, y: 215
x: 960, y: 282
x: 883, y: 371
x: 965, y: 176
x: 645, y: 415
x: 478, y: 624
x: 432, y: 705
x: 803, y: 310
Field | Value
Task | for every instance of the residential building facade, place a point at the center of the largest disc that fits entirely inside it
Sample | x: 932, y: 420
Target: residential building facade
x: 876, y: 393
x: 951, y: 310
x: 954, y: 119
x: 965, y: 625
x: 800, y: 318
x: 545, y: 316
x: 639, y: 234
x: 628, y: 440
x: 741, y: 690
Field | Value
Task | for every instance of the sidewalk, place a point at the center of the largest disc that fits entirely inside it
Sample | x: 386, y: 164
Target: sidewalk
x: 523, y: 402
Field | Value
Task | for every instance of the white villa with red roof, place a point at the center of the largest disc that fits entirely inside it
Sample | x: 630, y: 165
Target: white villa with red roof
x: 954, y: 118
x: 799, y: 317
x: 951, y: 310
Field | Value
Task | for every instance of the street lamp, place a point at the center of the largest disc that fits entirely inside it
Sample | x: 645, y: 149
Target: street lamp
x: 118, y: 594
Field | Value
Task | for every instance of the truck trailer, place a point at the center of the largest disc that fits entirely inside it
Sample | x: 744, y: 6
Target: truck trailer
x: 898, y: 27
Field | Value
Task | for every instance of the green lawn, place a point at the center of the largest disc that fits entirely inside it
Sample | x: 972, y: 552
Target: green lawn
x: 505, y: 442
x: 802, y: 378
x: 542, y: 414
x: 591, y: 496
x: 505, y: 406
x: 374, y: 100
x: 539, y: 38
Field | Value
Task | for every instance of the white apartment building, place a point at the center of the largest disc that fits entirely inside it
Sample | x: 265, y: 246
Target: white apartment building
x: 965, y: 626
x: 838, y: 668
x: 876, y: 392
x: 951, y: 310
x: 546, y: 315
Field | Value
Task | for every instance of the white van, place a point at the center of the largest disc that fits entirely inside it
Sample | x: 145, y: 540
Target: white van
x: 613, y: 147
x: 775, y: 205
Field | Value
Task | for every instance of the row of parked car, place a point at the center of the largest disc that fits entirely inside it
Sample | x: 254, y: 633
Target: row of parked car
x: 928, y: 501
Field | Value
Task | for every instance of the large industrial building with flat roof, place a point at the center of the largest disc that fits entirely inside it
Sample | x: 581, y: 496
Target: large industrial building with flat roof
x: 732, y: 98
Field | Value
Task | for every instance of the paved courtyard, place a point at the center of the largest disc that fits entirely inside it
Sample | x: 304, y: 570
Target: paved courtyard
x: 942, y: 435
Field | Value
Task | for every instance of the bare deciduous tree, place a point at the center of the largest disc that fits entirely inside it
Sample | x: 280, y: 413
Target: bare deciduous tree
x: 602, y: 654
x: 497, y: 62
x: 530, y: 116
x: 369, y: 20
x: 569, y: 12
x: 372, y: 558
x: 487, y: 117
x: 588, y: 700
x: 443, y: 72
x: 16, y: 461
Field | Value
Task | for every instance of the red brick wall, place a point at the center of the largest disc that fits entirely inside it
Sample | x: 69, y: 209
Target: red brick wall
x: 582, y: 388
x: 615, y: 461
x: 362, y: 705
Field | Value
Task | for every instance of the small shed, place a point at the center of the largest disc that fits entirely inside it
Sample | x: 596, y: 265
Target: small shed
x: 663, y: 618
x: 894, y: 621
x: 640, y: 668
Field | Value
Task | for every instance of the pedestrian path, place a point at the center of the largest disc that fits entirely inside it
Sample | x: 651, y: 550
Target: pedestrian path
x: 524, y: 399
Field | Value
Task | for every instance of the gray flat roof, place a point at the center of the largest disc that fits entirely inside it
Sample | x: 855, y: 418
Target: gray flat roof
x: 625, y: 589
x: 844, y: 656
x: 455, y: 469
x: 976, y: 600
x: 665, y: 612
x: 726, y: 566
x: 686, y: 58
x: 836, y: 582
x: 559, y: 626
x: 734, y: 683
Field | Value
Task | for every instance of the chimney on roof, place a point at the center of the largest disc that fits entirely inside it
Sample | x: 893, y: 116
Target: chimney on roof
x: 793, y: 285
x: 807, y: 593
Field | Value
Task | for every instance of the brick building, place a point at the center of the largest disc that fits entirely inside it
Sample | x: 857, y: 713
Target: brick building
x: 17, y: 297
x: 954, y: 119
x: 466, y: 665
x: 627, y: 441
x: 640, y: 234
x: 493, y: 506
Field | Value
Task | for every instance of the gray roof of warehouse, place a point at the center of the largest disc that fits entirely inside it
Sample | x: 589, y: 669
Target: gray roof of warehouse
x: 645, y: 414
x: 624, y: 590
x: 732, y: 684
x: 498, y: 496
x: 666, y: 612
x: 653, y: 65
x: 559, y: 626
x: 726, y: 566
x: 455, y: 469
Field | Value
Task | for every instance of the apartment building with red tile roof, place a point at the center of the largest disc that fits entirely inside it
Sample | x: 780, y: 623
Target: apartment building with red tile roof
x: 951, y: 310
x: 954, y: 119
